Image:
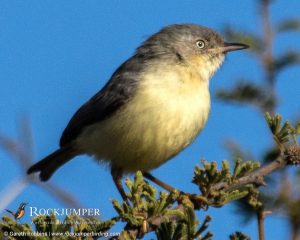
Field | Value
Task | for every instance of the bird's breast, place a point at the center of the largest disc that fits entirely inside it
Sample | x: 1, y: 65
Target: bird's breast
x: 169, y: 109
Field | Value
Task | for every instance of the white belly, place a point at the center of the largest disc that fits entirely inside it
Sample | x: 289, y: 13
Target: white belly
x: 163, y: 118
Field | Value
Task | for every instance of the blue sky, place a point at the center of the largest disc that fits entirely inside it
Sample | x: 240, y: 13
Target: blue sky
x: 54, y: 55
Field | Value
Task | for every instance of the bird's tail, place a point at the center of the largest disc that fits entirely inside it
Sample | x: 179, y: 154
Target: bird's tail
x: 51, y: 163
x: 12, y: 213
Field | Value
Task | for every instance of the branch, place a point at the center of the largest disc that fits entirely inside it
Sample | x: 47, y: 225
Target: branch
x: 168, y: 214
x: 166, y: 225
x: 186, y: 202
x: 261, y: 215
x: 290, y: 156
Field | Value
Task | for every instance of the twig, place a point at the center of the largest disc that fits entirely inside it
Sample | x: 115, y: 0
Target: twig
x: 256, y: 177
x: 261, y: 215
x: 260, y: 223
x: 291, y: 155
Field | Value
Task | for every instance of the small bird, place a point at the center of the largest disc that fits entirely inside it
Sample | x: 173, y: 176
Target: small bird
x: 19, y: 213
x: 154, y: 105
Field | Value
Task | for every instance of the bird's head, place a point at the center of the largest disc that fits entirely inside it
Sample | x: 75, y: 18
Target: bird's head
x: 22, y: 205
x: 190, y: 44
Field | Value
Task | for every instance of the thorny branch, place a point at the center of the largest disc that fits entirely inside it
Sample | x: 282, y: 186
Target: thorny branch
x: 290, y: 156
x: 257, y: 177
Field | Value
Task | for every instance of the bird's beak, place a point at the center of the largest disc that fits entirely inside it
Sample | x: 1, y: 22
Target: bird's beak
x: 228, y: 47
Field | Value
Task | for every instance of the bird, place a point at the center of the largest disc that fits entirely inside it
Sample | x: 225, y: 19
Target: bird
x: 153, y: 106
x: 19, y: 213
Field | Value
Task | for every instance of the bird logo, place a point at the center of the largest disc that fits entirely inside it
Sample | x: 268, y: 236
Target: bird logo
x: 19, y: 213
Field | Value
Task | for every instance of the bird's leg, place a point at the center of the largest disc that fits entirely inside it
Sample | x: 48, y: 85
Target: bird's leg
x: 158, y: 182
x: 198, y: 201
x: 117, y: 176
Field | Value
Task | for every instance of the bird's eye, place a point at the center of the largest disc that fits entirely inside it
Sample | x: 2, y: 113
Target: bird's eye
x: 200, y: 44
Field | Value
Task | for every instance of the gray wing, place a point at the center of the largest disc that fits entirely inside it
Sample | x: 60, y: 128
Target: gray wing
x: 116, y: 93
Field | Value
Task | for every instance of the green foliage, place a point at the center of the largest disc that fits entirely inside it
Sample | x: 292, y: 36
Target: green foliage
x: 169, y: 215
x: 183, y: 230
x: 281, y: 133
x: 284, y: 133
x: 146, y: 211
x: 8, y: 225
x: 264, y: 96
x: 286, y: 60
x: 208, y: 177
x: 171, y: 230
x: 72, y: 228
x: 142, y: 196
x: 288, y: 25
x: 239, y: 236
x: 246, y: 92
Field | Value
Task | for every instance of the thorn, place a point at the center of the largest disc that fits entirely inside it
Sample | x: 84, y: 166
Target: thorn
x: 260, y: 181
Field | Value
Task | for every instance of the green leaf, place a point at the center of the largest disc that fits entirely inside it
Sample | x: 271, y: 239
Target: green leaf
x: 246, y: 92
x: 289, y: 25
x: 286, y: 60
x: 274, y: 122
x: 239, y: 236
x: 209, y: 175
x: 281, y: 133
